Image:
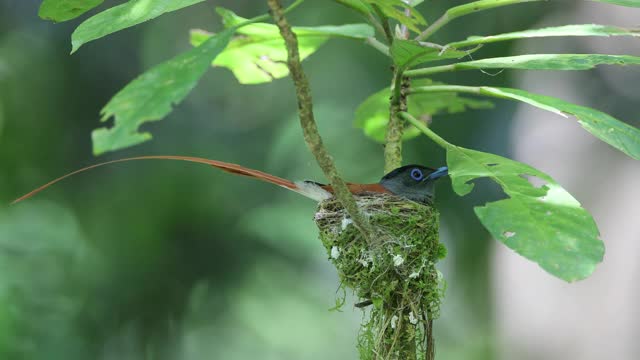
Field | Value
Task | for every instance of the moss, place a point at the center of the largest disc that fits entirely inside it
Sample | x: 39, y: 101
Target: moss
x: 396, y: 273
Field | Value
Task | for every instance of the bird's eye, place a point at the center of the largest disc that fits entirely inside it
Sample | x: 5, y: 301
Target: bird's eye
x: 417, y: 175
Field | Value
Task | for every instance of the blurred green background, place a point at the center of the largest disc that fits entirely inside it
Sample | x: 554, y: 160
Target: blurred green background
x: 167, y: 260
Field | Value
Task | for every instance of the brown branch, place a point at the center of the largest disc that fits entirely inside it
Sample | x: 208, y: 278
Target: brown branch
x: 395, y: 128
x: 308, y: 123
x: 430, y: 350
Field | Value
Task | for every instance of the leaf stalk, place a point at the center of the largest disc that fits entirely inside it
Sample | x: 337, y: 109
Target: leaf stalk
x: 376, y: 44
x: 466, y: 9
x: 429, y: 70
x: 422, y: 127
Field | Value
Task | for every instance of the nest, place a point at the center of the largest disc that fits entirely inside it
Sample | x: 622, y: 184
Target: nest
x: 395, y: 273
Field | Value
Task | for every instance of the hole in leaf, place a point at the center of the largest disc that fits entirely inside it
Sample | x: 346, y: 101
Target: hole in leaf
x: 109, y: 123
x: 509, y: 234
x: 534, y: 180
x: 486, y: 190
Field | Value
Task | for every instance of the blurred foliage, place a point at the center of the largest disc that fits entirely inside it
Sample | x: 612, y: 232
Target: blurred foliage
x: 45, y: 267
x: 373, y: 114
x: 148, y: 98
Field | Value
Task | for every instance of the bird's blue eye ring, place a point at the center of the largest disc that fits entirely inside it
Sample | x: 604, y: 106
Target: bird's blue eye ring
x: 416, y: 174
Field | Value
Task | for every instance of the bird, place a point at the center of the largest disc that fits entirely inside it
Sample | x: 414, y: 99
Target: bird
x: 411, y: 182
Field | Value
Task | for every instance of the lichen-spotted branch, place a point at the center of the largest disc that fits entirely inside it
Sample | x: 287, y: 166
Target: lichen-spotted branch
x: 308, y: 123
x: 395, y: 128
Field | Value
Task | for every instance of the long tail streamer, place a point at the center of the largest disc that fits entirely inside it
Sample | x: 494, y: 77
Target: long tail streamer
x: 228, y: 167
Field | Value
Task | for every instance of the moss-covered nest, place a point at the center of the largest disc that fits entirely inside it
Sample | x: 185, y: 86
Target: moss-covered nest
x: 395, y: 273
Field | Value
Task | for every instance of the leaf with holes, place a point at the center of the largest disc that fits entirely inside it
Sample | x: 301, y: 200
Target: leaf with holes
x: 605, y: 127
x: 63, y: 10
x: 123, y: 16
x: 546, y: 224
x: 258, y: 54
x: 409, y: 53
x: 151, y: 96
x: 372, y: 116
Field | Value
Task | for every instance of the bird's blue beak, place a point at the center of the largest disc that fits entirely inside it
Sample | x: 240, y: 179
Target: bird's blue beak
x: 442, y: 171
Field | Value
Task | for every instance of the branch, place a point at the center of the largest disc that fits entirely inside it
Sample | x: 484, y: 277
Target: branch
x: 308, y: 123
x: 395, y: 128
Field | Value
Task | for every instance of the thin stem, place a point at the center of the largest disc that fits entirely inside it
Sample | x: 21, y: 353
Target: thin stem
x: 462, y: 10
x: 422, y: 127
x: 376, y: 44
x: 265, y: 17
x: 376, y: 24
x: 429, y: 70
x: 308, y: 123
x: 403, y: 28
x: 446, y: 88
x: 475, y: 41
x: 435, y: 26
x: 431, y: 344
x: 432, y: 45
x: 385, y: 23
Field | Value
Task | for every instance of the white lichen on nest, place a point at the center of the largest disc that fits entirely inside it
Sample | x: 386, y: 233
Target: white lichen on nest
x: 396, y: 271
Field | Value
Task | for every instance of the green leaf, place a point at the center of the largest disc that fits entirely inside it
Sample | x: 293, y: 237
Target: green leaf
x: 481, y: 5
x: 357, y: 5
x: 567, y: 30
x: 533, y: 62
x: 549, y: 62
x: 258, y: 54
x: 545, y: 225
x: 466, y: 9
x: 395, y: 9
x: 150, y: 96
x: 373, y: 114
x: 123, y: 16
x: 630, y: 3
x: 614, y: 132
x: 623, y: 137
x: 63, y: 10
x: 409, y: 53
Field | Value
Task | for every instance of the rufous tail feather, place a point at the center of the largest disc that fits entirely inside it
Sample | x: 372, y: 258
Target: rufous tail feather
x: 228, y: 167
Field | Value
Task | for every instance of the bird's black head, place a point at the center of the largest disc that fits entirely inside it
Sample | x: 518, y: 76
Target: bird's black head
x: 414, y: 182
